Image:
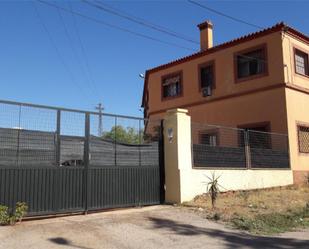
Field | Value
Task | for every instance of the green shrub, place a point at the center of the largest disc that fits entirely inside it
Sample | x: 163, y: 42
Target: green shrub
x: 4, y: 215
x: 273, y: 222
x: 20, y: 211
x: 241, y: 223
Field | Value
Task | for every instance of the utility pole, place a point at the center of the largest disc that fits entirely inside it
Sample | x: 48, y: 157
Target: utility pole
x: 100, y: 108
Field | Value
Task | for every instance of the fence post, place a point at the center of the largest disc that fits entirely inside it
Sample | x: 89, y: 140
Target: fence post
x: 58, y: 138
x: 161, y: 163
x: 18, y: 136
x: 86, y: 162
x: 247, y: 149
x: 57, y: 190
x: 115, y: 141
x: 139, y: 143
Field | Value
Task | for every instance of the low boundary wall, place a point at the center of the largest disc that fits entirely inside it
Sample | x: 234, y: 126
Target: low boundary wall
x: 183, y: 181
x: 193, y: 182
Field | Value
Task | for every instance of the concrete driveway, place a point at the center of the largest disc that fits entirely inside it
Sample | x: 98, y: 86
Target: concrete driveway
x: 151, y: 227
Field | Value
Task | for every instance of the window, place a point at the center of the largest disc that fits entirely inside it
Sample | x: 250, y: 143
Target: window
x: 258, y: 137
x: 171, y: 86
x: 301, y: 62
x: 209, y: 139
x: 207, y: 77
x: 303, y: 139
x: 251, y: 63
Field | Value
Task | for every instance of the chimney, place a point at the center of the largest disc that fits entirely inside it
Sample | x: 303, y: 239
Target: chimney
x: 206, y: 40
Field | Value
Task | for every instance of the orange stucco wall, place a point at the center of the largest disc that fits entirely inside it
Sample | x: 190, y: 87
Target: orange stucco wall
x: 291, y: 77
x: 264, y: 99
x: 252, y: 108
x: 233, y: 112
x: 297, y: 105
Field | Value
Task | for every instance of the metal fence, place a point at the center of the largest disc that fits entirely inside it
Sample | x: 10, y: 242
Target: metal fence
x: 65, y: 160
x: 32, y: 135
x: 225, y: 147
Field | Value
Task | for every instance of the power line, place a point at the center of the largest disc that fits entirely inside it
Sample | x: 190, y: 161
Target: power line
x: 225, y: 15
x: 84, y: 54
x: 65, y: 66
x: 157, y: 26
x: 71, y: 44
x: 115, y: 26
x: 143, y: 22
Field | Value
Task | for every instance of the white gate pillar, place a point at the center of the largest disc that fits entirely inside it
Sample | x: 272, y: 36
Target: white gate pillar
x: 177, y: 153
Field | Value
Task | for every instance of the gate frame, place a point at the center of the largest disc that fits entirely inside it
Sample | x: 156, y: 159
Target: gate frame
x: 86, y: 181
x: 162, y: 163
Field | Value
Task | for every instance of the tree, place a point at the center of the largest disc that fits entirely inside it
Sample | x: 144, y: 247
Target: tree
x: 131, y: 135
x: 127, y: 135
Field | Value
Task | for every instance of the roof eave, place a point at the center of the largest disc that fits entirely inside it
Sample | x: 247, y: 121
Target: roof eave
x: 278, y: 27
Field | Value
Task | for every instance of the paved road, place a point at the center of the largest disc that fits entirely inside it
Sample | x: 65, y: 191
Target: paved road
x: 152, y: 227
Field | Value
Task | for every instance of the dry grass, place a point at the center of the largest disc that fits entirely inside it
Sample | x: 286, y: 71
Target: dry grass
x: 251, y: 206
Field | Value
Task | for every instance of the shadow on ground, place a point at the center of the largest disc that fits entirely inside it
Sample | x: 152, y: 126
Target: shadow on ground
x: 230, y: 239
x: 64, y: 242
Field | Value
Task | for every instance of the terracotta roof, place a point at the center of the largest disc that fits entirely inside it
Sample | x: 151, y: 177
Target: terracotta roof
x: 278, y: 27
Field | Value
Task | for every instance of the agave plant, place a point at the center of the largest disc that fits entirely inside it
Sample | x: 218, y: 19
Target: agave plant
x: 307, y: 179
x: 213, y: 188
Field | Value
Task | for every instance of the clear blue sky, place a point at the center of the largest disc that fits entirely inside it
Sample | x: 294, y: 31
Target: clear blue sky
x: 31, y: 70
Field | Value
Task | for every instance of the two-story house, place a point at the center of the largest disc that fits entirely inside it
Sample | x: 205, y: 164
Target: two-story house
x: 259, y: 81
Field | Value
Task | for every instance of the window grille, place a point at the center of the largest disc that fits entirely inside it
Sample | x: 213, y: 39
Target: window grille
x: 301, y: 62
x: 303, y: 139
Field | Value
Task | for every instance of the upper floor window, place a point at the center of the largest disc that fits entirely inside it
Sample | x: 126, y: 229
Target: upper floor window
x: 301, y: 62
x: 303, y: 139
x: 172, y: 85
x: 251, y: 63
x: 207, y: 75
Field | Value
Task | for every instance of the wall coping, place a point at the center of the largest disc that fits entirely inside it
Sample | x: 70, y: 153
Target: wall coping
x: 177, y: 110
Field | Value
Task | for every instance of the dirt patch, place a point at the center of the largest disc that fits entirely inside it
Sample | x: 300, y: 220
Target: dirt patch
x: 264, y: 211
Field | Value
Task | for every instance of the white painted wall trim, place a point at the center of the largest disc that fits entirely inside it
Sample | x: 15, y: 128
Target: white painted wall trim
x: 193, y: 182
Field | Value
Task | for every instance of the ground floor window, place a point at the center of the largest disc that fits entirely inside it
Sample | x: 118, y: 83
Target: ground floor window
x: 257, y: 136
x: 210, y: 139
x: 303, y: 138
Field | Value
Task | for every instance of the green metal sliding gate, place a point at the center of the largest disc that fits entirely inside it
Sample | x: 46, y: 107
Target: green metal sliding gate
x: 58, y: 171
x: 50, y: 190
